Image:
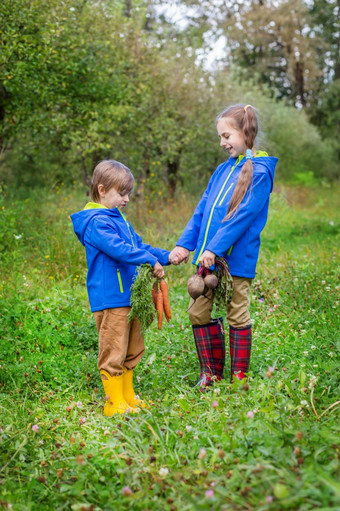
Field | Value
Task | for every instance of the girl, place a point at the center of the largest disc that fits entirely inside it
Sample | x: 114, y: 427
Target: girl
x: 113, y: 252
x: 227, y: 222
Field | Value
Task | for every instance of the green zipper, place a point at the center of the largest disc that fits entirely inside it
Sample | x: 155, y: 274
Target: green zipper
x: 127, y: 224
x: 120, y: 281
x: 232, y: 184
x: 212, y: 211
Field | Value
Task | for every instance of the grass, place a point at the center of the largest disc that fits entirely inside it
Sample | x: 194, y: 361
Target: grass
x: 271, y: 446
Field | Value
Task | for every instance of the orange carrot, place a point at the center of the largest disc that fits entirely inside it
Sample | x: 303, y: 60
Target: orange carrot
x: 166, y: 304
x: 154, y: 291
x: 159, y: 308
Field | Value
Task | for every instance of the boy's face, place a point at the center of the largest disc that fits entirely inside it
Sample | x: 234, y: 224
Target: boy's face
x: 112, y: 199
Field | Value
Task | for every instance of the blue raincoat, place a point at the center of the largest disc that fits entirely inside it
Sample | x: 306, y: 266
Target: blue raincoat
x: 237, y: 239
x: 113, y: 252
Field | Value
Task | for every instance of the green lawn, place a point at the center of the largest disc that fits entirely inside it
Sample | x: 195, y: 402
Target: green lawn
x: 272, y: 446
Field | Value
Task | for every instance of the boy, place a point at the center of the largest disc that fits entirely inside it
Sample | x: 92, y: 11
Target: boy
x: 113, y: 252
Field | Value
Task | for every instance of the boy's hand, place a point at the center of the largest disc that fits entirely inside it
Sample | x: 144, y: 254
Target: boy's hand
x: 158, y: 270
x: 178, y: 255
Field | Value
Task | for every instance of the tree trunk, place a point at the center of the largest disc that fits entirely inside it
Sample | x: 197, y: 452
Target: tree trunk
x: 172, y: 171
x: 300, y: 81
x: 127, y: 9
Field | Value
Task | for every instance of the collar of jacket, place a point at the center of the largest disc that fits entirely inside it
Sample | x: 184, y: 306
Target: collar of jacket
x: 95, y: 205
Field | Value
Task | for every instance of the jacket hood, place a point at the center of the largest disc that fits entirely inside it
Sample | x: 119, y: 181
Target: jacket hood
x: 82, y: 219
x: 269, y: 162
x: 262, y: 158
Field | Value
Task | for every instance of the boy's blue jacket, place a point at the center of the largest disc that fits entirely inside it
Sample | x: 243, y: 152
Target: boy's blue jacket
x: 237, y: 239
x: 113, y: 252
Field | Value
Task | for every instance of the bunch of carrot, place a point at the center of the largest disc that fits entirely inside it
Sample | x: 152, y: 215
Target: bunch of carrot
x: 160, y: 298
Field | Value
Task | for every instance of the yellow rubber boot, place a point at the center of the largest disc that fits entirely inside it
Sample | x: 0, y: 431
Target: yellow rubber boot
x: 128, y: 392
x: 114, y: 399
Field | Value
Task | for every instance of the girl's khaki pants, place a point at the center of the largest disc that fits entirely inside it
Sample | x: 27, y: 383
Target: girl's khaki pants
x: 237, y: 310
x: 120, y: 341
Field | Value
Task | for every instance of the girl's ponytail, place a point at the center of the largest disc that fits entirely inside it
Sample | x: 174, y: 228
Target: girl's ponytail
x: 246, y: 122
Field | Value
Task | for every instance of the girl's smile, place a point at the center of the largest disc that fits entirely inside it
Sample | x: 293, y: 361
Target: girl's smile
x: 230, y: 138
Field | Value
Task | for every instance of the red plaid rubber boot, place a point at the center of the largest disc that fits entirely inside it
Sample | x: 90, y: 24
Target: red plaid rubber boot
x: 240, y: 350
x: 210, y: 346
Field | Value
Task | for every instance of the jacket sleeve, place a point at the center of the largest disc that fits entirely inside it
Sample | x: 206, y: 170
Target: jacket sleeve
x: 253, y: 202
x: 105, y: 238
x: 190, y: 234
x: 161, y: 254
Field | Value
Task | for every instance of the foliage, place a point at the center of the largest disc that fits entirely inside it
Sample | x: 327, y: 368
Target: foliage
x: 285, y: 133
x: 289, y: 48
x: 111, y: 80
x: 96, y: 86
x: 142, y: 306
x: 326, y: 23
x: 224, y: 289
x: 271, y: 445
x: 325, y: 114
x: 273, y: 42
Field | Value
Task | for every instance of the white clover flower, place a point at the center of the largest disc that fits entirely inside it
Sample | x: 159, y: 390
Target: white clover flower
x: 305, y: 353
x: 303, y: 403
x: 217, y: 391
x: 331, y: 354
x: 312, y: 382
x: 163, y: 471
x: 313, y: 347
x: 17, y: 236
x: 188, y: 428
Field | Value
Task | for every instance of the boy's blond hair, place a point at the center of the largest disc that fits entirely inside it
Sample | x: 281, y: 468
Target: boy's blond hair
x: 111, y: 174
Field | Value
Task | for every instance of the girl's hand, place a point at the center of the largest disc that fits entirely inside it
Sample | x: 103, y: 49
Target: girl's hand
x: 158, y: 271
x: 178, y: 255
x: 207, y: 259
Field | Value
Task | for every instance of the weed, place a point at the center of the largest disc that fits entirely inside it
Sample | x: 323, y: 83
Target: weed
x: 272, y: 444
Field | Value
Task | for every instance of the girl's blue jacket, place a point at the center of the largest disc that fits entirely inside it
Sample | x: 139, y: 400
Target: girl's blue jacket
x: 237, y: 239
x: 113, y: 252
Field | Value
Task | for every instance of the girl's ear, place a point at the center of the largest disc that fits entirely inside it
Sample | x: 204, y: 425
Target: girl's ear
x: 101, y: 190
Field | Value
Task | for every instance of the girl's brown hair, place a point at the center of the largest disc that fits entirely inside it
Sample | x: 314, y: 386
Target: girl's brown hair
x: 243, y: 118
x: 111, y: 174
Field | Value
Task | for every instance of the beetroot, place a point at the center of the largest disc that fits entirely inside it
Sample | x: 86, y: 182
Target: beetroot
x: 196, y: 286
x: 211, y: 281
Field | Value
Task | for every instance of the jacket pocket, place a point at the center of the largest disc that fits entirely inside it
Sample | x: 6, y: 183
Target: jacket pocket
x: 120, y: 281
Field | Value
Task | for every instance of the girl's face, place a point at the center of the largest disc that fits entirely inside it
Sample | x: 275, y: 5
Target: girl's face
x: 230, y: 138
x: 112, y: 199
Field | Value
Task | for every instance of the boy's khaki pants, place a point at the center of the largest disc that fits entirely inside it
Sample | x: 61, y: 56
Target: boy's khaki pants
x: 120, y: 341
x: 238, y: 315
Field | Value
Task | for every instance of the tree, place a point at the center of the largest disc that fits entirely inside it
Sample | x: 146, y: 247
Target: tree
x: 96, y: 86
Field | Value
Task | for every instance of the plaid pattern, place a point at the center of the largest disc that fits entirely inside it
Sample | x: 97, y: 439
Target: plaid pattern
x: 210, y: 346
x: 240, y: 350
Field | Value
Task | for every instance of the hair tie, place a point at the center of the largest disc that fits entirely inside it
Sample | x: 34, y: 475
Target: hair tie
x: 245, y: 108
x: 249, y: 154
